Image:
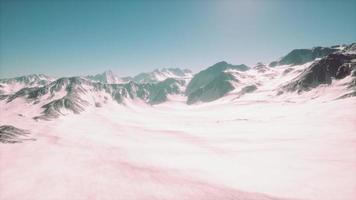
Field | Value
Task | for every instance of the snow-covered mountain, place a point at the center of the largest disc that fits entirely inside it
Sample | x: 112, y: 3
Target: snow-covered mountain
x: 106, y: 77
x: 334, y: 67
x: 10, y: 85
x: 75, y: 94
x: 53, y: 98
x: 302, y: 56
x: 146, y: 77
x: 160, y: 75
x: 300, y: 70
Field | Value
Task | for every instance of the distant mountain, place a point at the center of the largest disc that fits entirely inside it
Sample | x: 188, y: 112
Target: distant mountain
x: 302, y: 56
x: 161, y: 74
x: 75, y: 94
x: 212, y: 83
x: 10, y: 85
x: 33, y: 79
x: 147, y: 77
x: 106, y: 77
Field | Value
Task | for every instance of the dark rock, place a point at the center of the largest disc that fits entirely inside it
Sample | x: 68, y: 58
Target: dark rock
x: 11, y: 134
x: 215, y: 89
x: 159, y: 91
x: 336, y: 66
x: 248, y: 89
x: 286, y: 71
x: 212, y: 83
x: 72, y: 103
x: 261, y: 68
x: 302, y: 56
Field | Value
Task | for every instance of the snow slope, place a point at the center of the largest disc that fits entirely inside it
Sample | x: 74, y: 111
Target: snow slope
x: 238, y: 150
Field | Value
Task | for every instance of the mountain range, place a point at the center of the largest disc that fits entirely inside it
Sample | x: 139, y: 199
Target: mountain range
x: 297, y: 73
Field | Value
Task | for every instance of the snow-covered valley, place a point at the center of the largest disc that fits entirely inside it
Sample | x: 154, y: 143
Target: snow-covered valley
x: 243, y: 150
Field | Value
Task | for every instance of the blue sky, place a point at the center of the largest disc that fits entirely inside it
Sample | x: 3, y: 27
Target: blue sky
x: 64, y: 38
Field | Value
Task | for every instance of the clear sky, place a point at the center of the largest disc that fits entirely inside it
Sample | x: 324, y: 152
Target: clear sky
x: 63, y: 37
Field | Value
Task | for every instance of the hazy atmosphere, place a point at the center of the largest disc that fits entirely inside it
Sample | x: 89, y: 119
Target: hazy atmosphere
x: 63, y: 38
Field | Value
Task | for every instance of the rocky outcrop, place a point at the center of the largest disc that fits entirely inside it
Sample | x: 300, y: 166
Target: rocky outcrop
x: 68, y: 103
x: 11, y: 134
x: 335, y: 66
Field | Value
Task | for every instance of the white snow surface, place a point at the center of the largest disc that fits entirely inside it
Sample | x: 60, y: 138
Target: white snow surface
x: 246, y: 149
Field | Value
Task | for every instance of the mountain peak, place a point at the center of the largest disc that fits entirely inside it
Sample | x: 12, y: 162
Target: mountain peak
x: 109, y: 72
x: 106, y: 77
x: 302, y: 56
x: 223, y: 65
x: 162, y: 74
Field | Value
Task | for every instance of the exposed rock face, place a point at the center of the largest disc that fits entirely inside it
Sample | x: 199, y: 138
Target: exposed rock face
x: 11, y: 134
x: 334, y: 66
x: 53, y: 109
x: 212, y: 83
x: 302, y: 56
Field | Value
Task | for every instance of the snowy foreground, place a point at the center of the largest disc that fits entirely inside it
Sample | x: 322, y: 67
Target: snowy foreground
x: 243, y: 150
